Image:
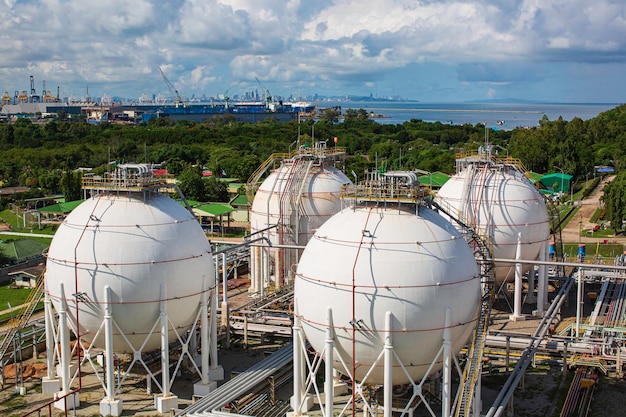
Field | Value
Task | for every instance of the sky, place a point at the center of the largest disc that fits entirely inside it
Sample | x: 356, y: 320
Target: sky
x: 430, y: 51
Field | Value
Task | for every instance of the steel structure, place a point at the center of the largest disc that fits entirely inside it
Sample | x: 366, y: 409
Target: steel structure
x: 387, y: 195
x: 289, y: 204
x: 129, y: 251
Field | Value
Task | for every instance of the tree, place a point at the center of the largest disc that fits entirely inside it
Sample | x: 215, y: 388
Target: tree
x: 71, y: 185
x: 191, y: 183
x: 215, y: 190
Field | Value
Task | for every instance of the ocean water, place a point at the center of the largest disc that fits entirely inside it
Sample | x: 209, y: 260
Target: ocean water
x: 498, y: 115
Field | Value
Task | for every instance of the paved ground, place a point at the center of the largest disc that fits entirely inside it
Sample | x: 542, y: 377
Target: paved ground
x: 582, y: 218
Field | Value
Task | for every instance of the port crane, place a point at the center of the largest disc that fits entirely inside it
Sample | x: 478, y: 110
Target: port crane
x: 226, y: 96
x: 173, y: 91
x: 268, y: 96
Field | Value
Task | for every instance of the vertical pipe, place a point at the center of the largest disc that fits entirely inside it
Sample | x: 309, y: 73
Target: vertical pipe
x: 517, y: 307
x: 108, y: 349
x: 204, y: 331
x: 165, y: 357
x: 530, y: 298
x: 279, y: 267
x: 328, y: 378
x: 388, y: 368
x: 213, y: 325
x: 49, y: 337
x: 225, y: 313
x: 257, y: 268
x: 579, y: 300
x: 446, y: 401
x: 542, y: 287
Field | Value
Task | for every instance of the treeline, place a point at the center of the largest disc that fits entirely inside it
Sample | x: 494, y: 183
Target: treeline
x: 39, y: 155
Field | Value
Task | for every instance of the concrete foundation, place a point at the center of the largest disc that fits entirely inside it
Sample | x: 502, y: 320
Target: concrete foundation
x: 165, y: 404
x: 110, y: 408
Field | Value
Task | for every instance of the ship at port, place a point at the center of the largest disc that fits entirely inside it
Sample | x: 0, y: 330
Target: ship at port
x: 240, y: 111
x: 250, y: 109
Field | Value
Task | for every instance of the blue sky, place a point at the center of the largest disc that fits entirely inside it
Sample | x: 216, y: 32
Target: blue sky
x: 431, y: 51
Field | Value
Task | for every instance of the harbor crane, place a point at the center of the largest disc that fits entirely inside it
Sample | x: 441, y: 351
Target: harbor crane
x: 268, y: 96
x: 173, y: 91
x: 226, y: 96
x: 34, y: 98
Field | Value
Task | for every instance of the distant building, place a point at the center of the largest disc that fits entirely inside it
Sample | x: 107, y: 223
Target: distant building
x: 26, y: 277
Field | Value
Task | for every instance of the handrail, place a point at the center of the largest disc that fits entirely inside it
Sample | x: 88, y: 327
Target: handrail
x: 16, y: 323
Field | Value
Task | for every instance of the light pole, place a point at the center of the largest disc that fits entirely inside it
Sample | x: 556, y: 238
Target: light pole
x: 561, y: 190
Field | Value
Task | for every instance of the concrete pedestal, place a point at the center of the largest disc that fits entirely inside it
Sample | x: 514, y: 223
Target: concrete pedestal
x: 217, y: 373
x: 308, y: 404
x: 201, y: 390
x: 50, y: 386
x: 165, y: 404
x: 71, y: 402
x: 340, y: 388
x: 513, y: 317
x: 110, y: 408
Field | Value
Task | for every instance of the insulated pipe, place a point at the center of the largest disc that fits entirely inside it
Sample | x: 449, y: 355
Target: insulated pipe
x: 108, y: 349
x: 388, y: 372
x: 165, y: 357
x: 329, y: 389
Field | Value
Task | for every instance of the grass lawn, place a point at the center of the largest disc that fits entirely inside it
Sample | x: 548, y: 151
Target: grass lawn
x: 15, y: 296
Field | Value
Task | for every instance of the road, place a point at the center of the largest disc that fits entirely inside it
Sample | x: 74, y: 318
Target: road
x: 581, y: 219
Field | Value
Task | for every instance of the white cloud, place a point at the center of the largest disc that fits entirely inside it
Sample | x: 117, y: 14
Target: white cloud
x: 291, y: 44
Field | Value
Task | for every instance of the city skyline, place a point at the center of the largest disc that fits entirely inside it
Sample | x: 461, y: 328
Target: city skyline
x: 430, y: 51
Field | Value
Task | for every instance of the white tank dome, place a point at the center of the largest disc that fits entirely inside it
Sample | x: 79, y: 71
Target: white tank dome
x: 132, y: 244
x: 501, y: 203
x: 413, y: 266
x: 319, y: 200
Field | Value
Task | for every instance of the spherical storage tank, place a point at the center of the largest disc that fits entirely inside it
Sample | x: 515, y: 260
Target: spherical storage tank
x: 377, y: 260
x: 319, y: 200
x: 133, y: 244
x: 502, y: 204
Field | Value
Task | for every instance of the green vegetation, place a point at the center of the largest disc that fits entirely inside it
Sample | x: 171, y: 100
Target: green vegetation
x: 15, y: 296
x: 44, y: 157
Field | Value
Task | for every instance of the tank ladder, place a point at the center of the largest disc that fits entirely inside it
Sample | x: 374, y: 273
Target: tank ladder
x: 473, y: 368
x: 20, y: 321
x: 291, y: 197
x: 255, y: 179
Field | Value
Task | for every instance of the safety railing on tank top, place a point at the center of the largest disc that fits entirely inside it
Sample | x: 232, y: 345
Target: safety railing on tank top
x: 303, y: 151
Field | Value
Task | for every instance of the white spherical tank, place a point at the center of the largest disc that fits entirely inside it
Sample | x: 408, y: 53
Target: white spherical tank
x: 133, y: 244
x: 274, y: 202
x: 502, y: 205
x: 377, y: 260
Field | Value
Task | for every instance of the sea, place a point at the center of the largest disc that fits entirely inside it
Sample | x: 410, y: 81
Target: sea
x: 497, y: 115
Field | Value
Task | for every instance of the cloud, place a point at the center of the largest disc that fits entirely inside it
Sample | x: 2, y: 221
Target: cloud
x: 331, y: 45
